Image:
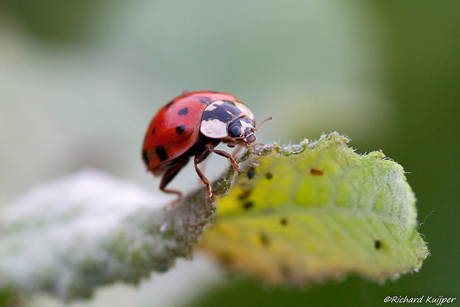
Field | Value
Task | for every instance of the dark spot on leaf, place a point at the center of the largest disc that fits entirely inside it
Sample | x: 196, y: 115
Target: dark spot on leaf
x: 285, y: 270
x: 180, y: 129
x: 264, y: 239
x: 377, y: 244
x: 251, y: 172
x: 153, y: 130
x: 226, y: 258
x: 161, y: 152
x: 268, y: 211
x: 145, y: 157
x: 183, y: 111
x: 245, y: 194
x: 316, y: 172
x: 248, y: 205
x: 169, y: 104
x: 162, y: 268
x: 269, y: 175
x: 283, y: 221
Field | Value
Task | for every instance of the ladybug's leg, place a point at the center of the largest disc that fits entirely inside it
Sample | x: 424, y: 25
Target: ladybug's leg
x: 169, y: 175
x: 226, y: 155
x: 198, y: 159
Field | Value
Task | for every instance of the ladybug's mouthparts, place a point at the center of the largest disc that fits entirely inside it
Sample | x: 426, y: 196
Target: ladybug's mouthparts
x: 251, y: 138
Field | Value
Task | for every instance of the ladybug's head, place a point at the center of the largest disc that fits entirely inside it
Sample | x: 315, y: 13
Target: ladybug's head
x: 243, y: 129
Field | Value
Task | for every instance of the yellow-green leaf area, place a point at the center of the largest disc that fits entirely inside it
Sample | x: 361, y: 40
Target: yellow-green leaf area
x: 316, y: 211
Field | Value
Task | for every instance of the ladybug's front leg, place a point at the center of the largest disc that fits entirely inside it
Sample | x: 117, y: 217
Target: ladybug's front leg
x: 200, y: 158
x: 226, y: 155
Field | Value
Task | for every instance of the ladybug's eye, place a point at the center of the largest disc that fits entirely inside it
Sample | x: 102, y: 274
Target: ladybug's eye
x: 235, y: 130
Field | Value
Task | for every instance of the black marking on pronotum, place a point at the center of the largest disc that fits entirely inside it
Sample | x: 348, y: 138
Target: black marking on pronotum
x: 248, y: 205
x: 153, y: 130
x: 169, y: 104
x: 377, y: 244
x: 224, y: 112
x: 269, y: 175
x: 264, y: 239
x: 251, y: 172
x: 145, y: 157
x: 180, y: 129
x: 205, y: 100
x: 283, y: 221
x: 183, y: 111
x: 161, y: 152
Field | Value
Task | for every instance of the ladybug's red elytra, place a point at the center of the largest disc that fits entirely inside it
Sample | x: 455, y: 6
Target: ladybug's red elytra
x: 192, y: 124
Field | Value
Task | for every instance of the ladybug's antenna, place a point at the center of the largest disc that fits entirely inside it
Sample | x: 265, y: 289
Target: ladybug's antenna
x: 270, y: 118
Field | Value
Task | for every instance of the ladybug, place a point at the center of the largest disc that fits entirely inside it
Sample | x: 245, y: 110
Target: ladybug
x: 192, y: 124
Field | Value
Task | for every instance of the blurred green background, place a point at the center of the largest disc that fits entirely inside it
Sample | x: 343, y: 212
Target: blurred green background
x: 80, y: 80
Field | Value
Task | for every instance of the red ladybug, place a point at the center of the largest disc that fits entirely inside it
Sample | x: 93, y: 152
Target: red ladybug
x: 192, y: 124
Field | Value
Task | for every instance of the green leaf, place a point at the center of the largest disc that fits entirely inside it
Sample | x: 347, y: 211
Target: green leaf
x: 316, y: 211
x: 297, y: 214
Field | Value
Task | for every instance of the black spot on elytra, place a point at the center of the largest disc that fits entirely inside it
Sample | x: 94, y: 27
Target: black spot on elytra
x: 248, y: 205
x: 153, y: 130
x: 269, y: 175
x: 145, y: 157
x: 283, y: 221
x: 180, y: 129
x: 169, y: 104
x: 224, y: 112
x: 264, y: 239
x: 377, y: 244
x: 251, y: 172
x: 316, y: 172
x: 161, y: 152
x: 204, y: 100
x: 183, y: 111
